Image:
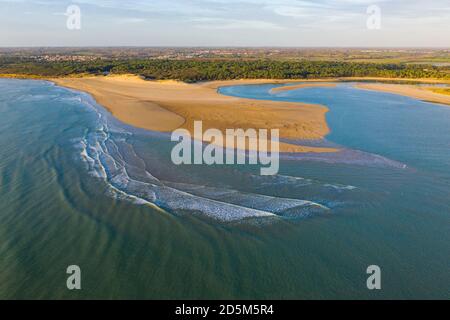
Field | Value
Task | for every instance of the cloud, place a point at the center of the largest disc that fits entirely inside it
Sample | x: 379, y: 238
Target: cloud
x: 131, y: 20
x: 327, y: 21
x: 216, y: 23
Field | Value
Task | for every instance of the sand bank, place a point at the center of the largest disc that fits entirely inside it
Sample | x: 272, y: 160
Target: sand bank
x: 303, y: 85
x: 398, y: 80
x: 167, y: 105
x: 421, y: 93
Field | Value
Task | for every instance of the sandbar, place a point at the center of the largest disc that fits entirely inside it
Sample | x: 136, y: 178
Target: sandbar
x: 167, y: 105
x: 421, y: 93
x: 303, y: 85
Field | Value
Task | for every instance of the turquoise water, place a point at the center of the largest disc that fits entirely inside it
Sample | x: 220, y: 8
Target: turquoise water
x: 78, y: 187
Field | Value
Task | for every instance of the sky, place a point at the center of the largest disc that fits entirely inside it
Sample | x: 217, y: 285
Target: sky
x: 284, y: 23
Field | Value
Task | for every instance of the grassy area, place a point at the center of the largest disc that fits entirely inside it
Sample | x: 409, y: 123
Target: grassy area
x: 441, y: 90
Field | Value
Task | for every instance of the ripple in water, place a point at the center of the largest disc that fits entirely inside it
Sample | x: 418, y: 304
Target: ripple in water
x: 109, y: 156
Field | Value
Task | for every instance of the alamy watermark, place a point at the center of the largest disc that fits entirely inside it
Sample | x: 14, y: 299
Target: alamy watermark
x: 374, y: 19
x: 374, y: 280
x: 237, y: 146
x: 74, y: 280
x: 73, y: 13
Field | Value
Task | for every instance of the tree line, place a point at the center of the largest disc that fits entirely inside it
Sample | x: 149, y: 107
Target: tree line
x: 204, y: 70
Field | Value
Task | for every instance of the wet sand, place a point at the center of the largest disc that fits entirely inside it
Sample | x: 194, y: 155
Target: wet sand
x: 303, y: 85
x: 167, y: 105
x: 421, y: 93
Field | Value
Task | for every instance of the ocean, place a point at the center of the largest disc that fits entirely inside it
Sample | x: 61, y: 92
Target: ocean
x: 79, y: 187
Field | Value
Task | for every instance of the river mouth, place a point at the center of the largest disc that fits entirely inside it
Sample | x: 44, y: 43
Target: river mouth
x: 119, y: 155
x: 80, y: 187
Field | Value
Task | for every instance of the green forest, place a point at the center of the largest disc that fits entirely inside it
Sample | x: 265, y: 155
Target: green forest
x: 202, y: 70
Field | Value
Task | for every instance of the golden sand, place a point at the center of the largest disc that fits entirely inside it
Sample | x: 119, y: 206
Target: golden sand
x: 303, y: 85
x: 167, y: 105
x: 405, y: 80
x: 421, y: 93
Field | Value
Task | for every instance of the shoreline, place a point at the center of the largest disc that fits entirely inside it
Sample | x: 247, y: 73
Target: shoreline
x: 168, y: 105
x: 303, y: 85
x: 242, y: 80
x: 420, y: 93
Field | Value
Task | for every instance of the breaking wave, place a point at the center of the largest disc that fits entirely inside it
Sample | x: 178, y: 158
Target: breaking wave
x: 109, y: 155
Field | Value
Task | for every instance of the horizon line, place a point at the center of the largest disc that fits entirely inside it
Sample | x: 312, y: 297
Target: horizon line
x: 232, y: 47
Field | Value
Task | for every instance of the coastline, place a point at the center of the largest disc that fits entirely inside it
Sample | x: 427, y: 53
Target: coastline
x: 424, y: 94
x: 168, y: 105
x: 303, y: 85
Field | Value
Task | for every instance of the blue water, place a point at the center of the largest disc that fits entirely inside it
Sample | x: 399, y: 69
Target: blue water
x: 79, y: 187
x: 396, y: 127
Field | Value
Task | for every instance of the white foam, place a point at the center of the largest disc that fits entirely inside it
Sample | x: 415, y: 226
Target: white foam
x: 340, y: 187
x: 111, y: 158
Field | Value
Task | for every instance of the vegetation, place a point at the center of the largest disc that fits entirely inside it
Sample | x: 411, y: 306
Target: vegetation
x: 441, y: 90
x: 200, y: 70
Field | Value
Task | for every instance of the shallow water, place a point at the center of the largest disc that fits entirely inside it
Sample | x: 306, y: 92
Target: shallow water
x: 79, y: 187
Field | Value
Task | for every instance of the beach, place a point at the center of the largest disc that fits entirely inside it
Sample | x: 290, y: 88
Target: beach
x: 167, y: 105
x: 78, y: 179
x: 421, y: 93
x: 303, y: 85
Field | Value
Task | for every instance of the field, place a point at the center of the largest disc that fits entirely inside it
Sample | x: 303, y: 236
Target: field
x: 203, y: 64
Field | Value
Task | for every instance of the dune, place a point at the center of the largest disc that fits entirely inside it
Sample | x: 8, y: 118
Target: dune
x: 167, y: 105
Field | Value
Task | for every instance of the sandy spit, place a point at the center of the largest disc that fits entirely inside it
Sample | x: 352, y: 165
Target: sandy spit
x: 303, y: 85
x: 421, y: 93
x: 167, y: 105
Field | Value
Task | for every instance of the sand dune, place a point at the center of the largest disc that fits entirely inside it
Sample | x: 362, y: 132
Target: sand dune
x: 168, y: 105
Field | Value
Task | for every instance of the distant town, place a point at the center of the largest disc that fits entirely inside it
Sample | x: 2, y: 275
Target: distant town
x: 207, y: 64
x: 440, y: 57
